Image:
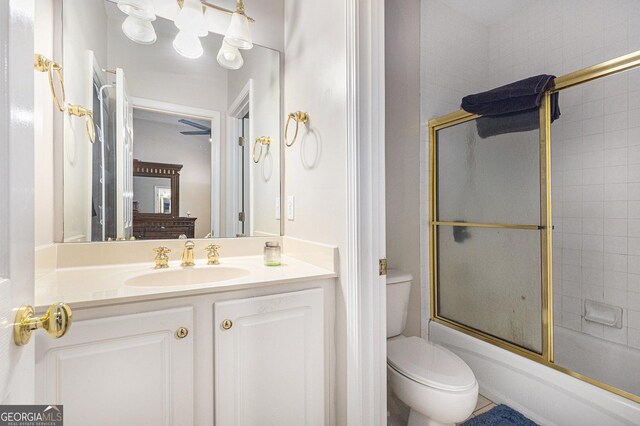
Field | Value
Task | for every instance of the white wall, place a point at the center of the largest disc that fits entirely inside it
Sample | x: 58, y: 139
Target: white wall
x: 161, y: 142
x: 315, y: 167
x: 263, y: 67
x: 402, y: 47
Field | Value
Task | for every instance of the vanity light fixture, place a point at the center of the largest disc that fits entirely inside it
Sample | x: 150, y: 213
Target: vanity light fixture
x: 139, y: 30
x: 192, y: 25
x: 137, y: 26
x: 141, y: 9
x: 191, y: 17
x: 229, y: 57
x: 188, y: 44
x: 238, y: 34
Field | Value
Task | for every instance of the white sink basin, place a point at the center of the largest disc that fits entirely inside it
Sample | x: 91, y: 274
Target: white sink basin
x: 187, y: 276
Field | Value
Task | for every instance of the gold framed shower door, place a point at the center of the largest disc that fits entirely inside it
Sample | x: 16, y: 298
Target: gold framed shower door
x: 604, y: 69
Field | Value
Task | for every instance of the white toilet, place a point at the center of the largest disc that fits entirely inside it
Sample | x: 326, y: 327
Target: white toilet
x: 436, y: 384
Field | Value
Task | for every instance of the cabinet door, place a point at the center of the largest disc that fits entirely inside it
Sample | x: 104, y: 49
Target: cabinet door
x: 269, y: 366
x: 121, y: 370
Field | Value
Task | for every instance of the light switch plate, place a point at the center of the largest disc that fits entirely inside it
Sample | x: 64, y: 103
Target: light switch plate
x: 277, y: 208
x: 291, y: 207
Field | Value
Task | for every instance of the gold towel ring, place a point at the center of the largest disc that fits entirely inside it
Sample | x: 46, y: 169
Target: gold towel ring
x: 300, y: 117
x: 264, y: 140
x: 43, y: 64
x: 89, y: 125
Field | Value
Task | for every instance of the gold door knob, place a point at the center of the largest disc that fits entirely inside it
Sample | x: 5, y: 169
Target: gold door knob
x: 56, y: 321
x: 182, y: 332
x: 227, y: 324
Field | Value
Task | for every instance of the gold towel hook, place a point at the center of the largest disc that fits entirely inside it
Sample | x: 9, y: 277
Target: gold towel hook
x: 89, y: 125
x: 264, y: 140
x: 44, y: 64
x: 299, y: 117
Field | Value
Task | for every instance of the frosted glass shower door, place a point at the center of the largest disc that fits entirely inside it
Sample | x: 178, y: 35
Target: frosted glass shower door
x: 488, y: 234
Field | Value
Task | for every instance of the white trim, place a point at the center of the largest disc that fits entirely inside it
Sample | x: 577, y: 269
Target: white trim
x: 216, y: 143
x: 366, y: 290
x: 241, y: 105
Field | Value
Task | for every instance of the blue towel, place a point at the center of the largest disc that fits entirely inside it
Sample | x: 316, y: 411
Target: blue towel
x: 513, y: 107
x: 500, y: 416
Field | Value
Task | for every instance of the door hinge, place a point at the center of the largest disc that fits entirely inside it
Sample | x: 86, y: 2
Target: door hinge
x: 383, y: 267
x: 241, y: 141
x: 241, y: 216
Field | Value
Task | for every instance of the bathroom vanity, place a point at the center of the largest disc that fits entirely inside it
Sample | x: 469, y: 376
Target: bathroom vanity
x: 235, y: 343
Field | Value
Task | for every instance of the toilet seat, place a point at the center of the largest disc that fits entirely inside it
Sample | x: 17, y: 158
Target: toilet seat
x: 429, y: 364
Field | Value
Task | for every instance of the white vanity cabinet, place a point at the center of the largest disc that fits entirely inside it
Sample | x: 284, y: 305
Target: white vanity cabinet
x: 123, y: 364
x: 120, y: 370
x: 269, y: 360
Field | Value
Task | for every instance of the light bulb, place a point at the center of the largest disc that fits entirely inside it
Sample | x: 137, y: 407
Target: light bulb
x: 229, y: 57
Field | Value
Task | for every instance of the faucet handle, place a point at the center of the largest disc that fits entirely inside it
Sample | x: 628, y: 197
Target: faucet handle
x: 162, y: 250
x: 212, y: 254
x: 162, y: 260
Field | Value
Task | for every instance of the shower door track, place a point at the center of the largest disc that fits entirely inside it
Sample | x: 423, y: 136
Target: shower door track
x: 604, y: 69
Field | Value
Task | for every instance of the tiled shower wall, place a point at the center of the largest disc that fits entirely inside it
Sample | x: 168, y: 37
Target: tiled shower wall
x: 595, y: 152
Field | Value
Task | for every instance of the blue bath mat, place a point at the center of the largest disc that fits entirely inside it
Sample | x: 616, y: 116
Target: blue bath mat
x: 500, y: 416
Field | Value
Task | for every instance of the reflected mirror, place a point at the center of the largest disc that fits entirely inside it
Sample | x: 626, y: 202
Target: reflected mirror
x: 176, y: 113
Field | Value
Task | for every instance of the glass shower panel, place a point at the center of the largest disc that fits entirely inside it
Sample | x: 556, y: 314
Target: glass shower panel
x: 595, y: 153
x: 491, y: 180
x: 489, y: 279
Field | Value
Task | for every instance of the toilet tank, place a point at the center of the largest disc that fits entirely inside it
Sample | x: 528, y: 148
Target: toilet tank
x: 398, y: 289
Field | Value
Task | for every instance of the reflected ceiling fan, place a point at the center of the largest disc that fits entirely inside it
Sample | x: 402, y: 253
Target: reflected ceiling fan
x: 204, y: 130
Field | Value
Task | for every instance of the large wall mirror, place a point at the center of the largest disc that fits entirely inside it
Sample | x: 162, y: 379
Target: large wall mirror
x: 184, y: 133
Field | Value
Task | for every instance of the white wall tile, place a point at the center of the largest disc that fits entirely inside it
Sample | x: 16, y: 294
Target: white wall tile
x: 615, y: 262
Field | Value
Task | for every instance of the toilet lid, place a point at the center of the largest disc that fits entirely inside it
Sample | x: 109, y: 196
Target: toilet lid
x: 429, y: 364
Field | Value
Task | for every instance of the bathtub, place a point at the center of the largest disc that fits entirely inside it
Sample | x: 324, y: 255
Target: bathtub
x: 587, y: 355
x: 545, y: 395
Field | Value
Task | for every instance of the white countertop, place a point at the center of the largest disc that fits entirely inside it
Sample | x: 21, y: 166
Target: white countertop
x: 82, y: 287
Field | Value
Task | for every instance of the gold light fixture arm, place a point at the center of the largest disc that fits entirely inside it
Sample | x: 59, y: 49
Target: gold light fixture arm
x: 89, y: 125
x: 262, y: 141
x: 43, y: 64
x: 299, y: 117
x: 56, y: 321
x: 239, y: 9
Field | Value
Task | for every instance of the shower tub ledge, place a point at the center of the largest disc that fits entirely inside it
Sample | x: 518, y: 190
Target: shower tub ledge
x: 546, y: 396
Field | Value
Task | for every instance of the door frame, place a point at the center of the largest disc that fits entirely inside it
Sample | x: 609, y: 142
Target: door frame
x: 216, y: 143
x: 366, y: 238
x: 238, y: 109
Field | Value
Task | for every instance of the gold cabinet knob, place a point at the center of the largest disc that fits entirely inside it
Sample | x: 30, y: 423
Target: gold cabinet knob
x: 56, y: 321
x: 227, y: 324
x: 182, y: 332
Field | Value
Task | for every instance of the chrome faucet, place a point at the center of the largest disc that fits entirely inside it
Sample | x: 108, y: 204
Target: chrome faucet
x: 187, y: 254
